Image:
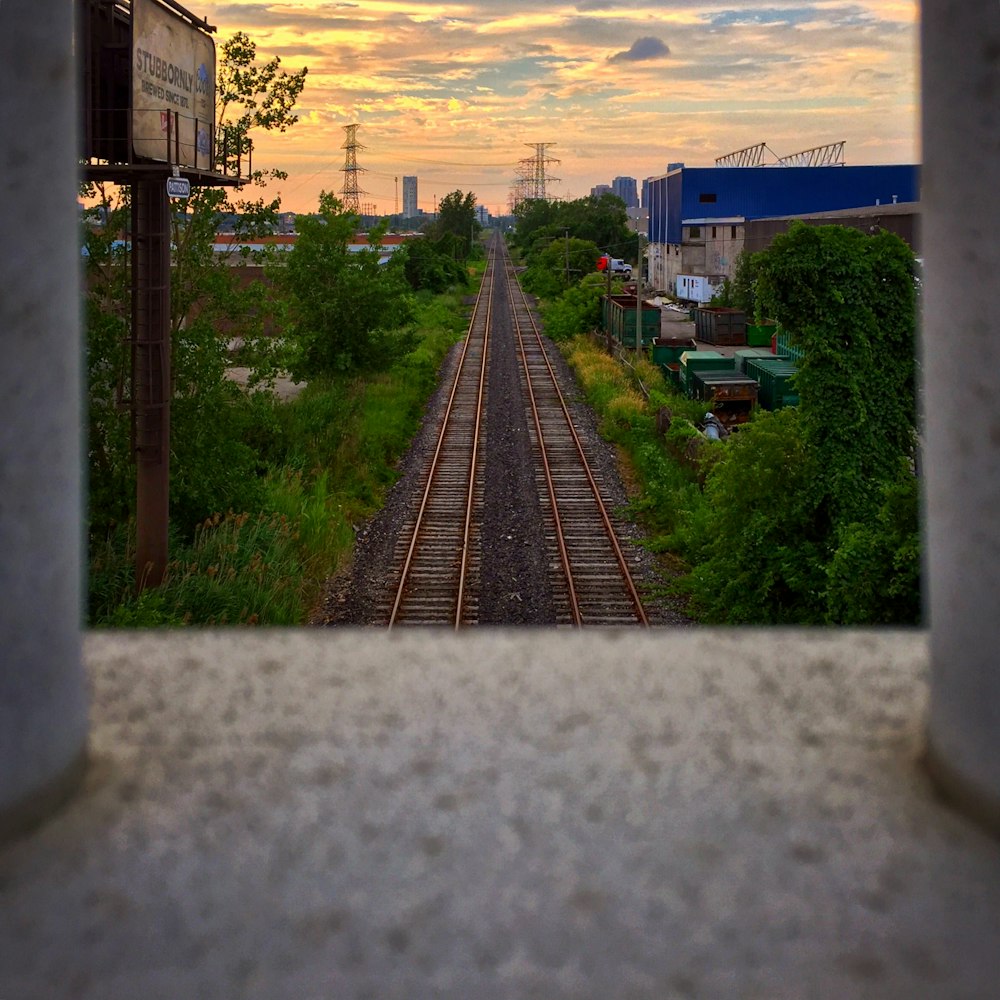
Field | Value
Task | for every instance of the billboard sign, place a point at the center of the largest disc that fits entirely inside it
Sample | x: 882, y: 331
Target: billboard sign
x: 173, y: 87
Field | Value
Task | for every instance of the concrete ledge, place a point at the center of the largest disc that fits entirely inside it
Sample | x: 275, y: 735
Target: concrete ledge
x: 317, y: 814
x: 23, y: 816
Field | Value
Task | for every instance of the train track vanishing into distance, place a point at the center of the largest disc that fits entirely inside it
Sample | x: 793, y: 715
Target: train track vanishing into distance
x: 439, y: 554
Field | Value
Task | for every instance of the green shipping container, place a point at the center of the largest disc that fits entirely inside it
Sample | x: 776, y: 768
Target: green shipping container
x: 775, y: 380
x: 619, y: 320
x: 746, y: 353
x: 703, y: 361
x: 670, y: 350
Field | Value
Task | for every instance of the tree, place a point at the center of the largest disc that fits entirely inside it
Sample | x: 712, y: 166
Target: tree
x: 812, y: 513
x: 429, y: 266
x: 560, y: 265
x: 602, y: 221
x: 848, y: 300
x: 343, y: 308
x: 456, y: 217
x: 577, y: 310
x: 212, y: 466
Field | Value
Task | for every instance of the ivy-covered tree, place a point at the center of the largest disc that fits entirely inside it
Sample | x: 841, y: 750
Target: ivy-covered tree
x: 812, y: 514
x: 343, y: 308
x: 848, y: 300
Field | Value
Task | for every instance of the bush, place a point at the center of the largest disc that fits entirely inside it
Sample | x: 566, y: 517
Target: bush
x: 759, y: 552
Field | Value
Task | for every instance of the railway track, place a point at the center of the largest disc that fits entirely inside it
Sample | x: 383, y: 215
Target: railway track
x: 438, y: 553
x: 438, y: 556
x: 594, y: 585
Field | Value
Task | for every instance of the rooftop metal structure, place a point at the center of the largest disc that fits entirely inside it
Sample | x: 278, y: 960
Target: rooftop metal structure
x: 830, y: 155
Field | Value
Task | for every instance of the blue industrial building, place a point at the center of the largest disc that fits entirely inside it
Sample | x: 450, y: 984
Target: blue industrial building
x: 764, y: 192
x: 697, y: 215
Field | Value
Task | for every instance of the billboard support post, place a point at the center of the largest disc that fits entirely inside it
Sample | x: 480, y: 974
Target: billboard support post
x: 151, y: 376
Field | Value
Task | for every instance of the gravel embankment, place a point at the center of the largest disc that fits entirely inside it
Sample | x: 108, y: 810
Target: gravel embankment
x: 515, y: 586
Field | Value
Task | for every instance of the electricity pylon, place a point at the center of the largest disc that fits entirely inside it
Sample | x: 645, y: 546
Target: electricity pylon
x: 351, y: 192
x: 536, y: 169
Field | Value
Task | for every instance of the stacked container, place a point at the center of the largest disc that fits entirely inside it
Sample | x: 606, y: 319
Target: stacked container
x: 775, y: 379
x: 692, y: 361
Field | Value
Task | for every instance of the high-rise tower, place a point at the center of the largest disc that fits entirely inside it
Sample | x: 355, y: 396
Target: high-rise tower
x: 409, y: 197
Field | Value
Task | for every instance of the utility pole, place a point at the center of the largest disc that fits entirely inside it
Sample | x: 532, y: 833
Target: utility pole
x: 566, y: 234
x: 638, y: 290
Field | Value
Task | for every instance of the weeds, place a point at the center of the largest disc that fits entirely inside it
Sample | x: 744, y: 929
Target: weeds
x: 328, y: 458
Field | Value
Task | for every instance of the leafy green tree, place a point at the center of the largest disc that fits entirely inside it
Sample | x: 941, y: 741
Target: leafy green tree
x: 602, y: 221
x: 429, y: 267
x: 213, y: 467
x: 456, y: 217
x: 743, y: 286
x: 848, y: 300
x: 761, y: 553
x: 577, y: 310
x: 874, y: 575
x: 560, y: 266
x: 343, y: 307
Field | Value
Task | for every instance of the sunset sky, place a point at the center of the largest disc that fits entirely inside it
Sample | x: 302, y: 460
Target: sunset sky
x: 453, y: 91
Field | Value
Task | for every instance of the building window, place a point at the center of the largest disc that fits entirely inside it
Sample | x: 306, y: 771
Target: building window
x: 707, y: 199
x: 732, y: 232
x: 694, y: 232
x: 713, y: 232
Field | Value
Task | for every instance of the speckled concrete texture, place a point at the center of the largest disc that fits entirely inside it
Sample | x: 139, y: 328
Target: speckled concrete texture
x: 503, y: 815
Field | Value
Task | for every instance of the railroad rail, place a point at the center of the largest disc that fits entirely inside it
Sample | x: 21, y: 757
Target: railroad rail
x: 597, y: 587
x: 438, y: 553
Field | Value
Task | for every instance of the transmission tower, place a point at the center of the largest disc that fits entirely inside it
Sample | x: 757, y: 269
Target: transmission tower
x: 351, y: 193
x: 520, y: 190
x: 536, y: 169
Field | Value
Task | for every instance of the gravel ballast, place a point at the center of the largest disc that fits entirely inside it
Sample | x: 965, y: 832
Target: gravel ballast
x: 515, y: 584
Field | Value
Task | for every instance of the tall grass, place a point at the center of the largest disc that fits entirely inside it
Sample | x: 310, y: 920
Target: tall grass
x: 667, y: 497
x: 330, y: 456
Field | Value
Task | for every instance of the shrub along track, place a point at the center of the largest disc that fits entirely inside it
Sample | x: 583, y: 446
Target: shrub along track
x: 517, y: 570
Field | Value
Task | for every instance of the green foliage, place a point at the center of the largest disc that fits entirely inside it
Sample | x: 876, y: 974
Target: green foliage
x: 456, y: 218
x: 601, y: 221
x: 238, y: 570
x: 344, y: 310
x: 759, y: 547
x: 430, y: 265
x: 849, y: 301
x: 874, y: 575
x: 743, y: 287
x: 560, y: 266
x: 330, y: 455
x: 725, y: 297
x: 577, y: 310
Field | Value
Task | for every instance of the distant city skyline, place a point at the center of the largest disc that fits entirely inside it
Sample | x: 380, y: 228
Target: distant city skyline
x: 453, y: 92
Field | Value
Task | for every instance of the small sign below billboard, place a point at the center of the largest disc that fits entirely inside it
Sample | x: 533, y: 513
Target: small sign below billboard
x: 173, y: 87
x: 178, y: 187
